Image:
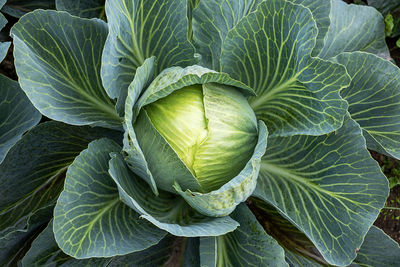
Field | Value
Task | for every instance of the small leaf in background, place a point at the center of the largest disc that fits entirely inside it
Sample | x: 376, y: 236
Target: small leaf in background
x: 17, y: 114
x: 18, y: 8
x: 389, y: 24
x: 378, y: 249
x: 83, y: 8
x: 398, y: 43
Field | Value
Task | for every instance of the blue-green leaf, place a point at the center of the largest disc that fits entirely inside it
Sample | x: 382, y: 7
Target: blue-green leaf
x: 223, y: 201
x: 354, y: 28
x: 167, y: 211
x: 83, y: 8
x: 320, y: 11
x: 248, y: 245
x: 62, y: 78
x: 89, y: 218
x: 328, y: 186
x: 15, y: 240
x: 378, y: 250
x: 139, y: 30
x: 212, y: 20
x: 374, y: 99
x: 17, y: 114
x: 38, y: 162
x: 134, y: 154
x: 270, y: 51
x: 18, y: 8
x: 384, y: 6
x: 3, y: 45
x: 45, y: 252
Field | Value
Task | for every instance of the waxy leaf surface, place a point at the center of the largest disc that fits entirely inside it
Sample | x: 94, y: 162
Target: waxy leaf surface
x: 58, y: 57
x: 328, y: 186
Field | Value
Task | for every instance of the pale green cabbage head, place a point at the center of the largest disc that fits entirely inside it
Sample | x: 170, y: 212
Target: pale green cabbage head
x: 212, y: 129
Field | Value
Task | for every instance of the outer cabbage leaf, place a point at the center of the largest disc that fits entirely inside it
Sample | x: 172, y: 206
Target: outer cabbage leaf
x: 167, y: 211
x: 328, y: 186
x: 45, y: 252
x: 223, y: 201
x: 212, y: 20
x: 248, y: 245
x: 139, y: 30
x: 354, y: 28
x: 374, y: 99
x: 3, y: 45
x: 83, y: 8
x: 378, y: 249
x: 89, y: 218
x: 62, y: 77
x: 38, y: 161
x: 270, y: 51
x: 17, y: 114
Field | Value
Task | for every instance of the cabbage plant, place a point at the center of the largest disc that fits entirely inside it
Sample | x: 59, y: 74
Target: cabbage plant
x: 198, y: 133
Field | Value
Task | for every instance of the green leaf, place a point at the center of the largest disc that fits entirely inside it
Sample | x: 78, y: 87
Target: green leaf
x: 354, y: 28
x: 17, y: 114
x: 134, y: 154
x: 139, y: 30
x: 374, y: 99
x: 299, y: 250
x: 320, y: 11
x: 4, y: 49
x: 328, y: 186
x: 89, y: 219
x: 270, y: 51
x: 378, y: 249
x: 384, y: 6
x: 18, y: 8
x: 38, y: 161
x: 62, y: 78
x: 191, y: 255
x: 167, y: 211
x: 249, y: 245
x: 212, y: 20
x: 3, y: 45
x: 223, y: 201
x: 83, y: 8
x: 45, y: 252
x: 16, y: 240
